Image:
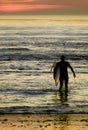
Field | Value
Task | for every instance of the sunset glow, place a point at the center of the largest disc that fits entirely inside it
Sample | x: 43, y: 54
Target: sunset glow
x: 21, y: 7
x: 34, y: 5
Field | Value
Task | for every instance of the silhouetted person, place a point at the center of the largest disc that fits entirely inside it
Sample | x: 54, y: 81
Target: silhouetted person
x: 63, y: 68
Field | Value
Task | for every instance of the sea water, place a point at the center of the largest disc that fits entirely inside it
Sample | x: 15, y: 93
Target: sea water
x: 29, y: 45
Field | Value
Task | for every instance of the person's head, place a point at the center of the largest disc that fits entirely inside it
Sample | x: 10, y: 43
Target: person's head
x: 62, y: 58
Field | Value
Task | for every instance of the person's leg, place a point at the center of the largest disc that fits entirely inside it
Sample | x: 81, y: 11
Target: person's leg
x: 66, y: 84
x: 61, y: 84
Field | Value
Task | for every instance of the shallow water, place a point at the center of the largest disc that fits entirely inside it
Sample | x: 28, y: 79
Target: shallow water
x: 28, y: 48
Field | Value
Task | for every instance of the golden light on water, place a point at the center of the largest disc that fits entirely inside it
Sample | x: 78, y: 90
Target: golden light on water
x: 21, y: 76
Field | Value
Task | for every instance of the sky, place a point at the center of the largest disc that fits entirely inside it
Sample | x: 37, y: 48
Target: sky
x: 44, y: 6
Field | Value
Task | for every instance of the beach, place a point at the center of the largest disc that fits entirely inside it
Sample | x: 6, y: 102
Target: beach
x: 44, y: 122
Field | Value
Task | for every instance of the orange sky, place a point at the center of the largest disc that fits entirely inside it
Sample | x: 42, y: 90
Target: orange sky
x: 35, y: 5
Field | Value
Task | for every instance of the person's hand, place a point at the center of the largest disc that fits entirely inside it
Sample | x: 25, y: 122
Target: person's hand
x: 74, y: 75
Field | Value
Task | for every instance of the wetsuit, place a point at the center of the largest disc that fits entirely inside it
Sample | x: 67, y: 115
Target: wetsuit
x: 63, y: 67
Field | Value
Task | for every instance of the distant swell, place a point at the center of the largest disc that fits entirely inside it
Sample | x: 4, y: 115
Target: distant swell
x: 19, y: 56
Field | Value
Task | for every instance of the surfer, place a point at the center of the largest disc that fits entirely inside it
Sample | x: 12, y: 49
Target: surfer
x: 63, y: 72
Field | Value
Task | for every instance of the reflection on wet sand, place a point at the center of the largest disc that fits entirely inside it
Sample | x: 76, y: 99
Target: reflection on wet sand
x: 63, y: 121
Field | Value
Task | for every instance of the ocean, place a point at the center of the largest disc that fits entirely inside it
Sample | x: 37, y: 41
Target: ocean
x: 29, y: 45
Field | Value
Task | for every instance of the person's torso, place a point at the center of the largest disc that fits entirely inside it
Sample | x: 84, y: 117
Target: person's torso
x: 63, y: 65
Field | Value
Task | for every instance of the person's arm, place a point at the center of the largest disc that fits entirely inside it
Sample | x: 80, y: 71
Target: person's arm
x: 72, y: 70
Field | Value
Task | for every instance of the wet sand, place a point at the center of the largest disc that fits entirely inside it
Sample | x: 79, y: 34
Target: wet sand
x: 44, y: 122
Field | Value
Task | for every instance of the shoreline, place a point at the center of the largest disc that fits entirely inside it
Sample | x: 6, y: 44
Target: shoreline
x: 44, y: 121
